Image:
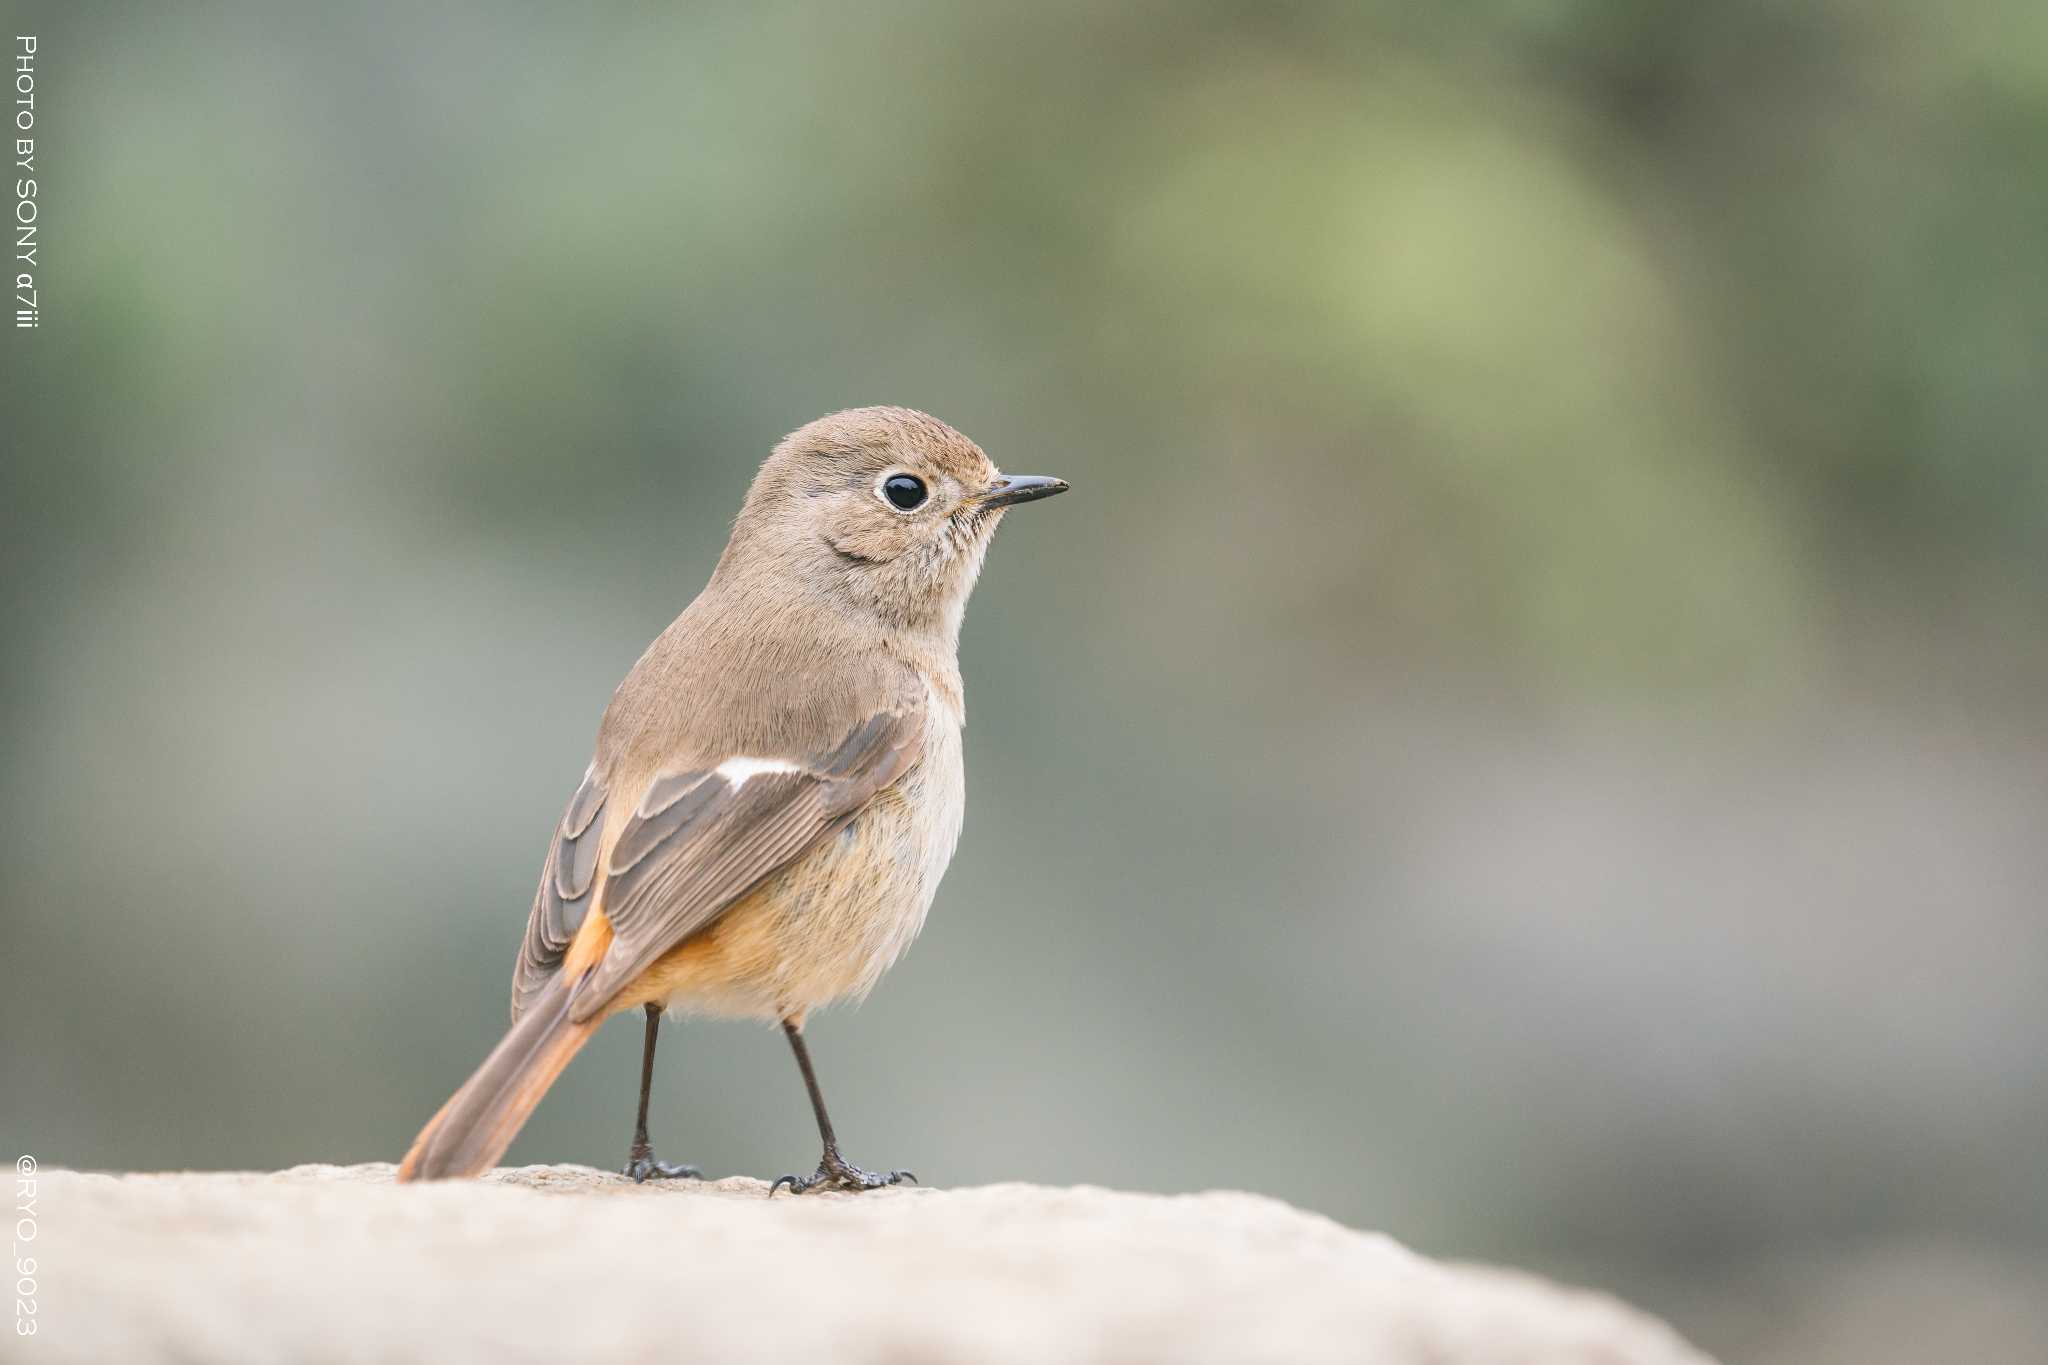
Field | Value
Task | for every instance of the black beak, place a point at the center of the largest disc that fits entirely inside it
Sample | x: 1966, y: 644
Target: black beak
x: 1022, y: 488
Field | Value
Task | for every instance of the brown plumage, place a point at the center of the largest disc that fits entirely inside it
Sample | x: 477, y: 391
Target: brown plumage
x: 777, y: 784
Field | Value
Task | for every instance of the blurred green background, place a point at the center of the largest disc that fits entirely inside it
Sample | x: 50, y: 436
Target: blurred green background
x: 1536, y: 704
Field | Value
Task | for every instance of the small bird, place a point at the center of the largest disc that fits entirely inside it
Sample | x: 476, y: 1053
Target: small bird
x: 777, y: 787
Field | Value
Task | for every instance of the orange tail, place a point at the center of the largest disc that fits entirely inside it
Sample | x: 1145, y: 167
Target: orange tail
x: 480, y: 1120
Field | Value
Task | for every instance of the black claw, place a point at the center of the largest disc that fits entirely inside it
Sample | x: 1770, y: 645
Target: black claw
x: 834, y: 1173
x: 642, y: 1167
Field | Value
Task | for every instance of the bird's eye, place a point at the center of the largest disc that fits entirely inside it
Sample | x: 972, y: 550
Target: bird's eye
x: 905, y: 492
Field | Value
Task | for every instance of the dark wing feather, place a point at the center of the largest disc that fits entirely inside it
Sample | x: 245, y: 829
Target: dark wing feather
x: 564, y: 896
x: 698, y: 842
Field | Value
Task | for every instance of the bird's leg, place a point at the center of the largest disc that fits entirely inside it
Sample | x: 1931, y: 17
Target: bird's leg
x: 834, y: 1171
x: 641, y: 1164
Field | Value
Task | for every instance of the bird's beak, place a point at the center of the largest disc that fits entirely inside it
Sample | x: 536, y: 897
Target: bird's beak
x: 1021, y: 488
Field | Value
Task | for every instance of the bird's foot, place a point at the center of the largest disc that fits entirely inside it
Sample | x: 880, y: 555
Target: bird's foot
x: 642, y: 1166
x: 836, y: 1173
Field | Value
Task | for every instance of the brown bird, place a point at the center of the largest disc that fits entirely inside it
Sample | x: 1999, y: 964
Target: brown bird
x: 777, y: 787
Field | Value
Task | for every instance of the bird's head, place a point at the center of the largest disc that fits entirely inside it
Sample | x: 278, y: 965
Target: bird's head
x: 886, y: 511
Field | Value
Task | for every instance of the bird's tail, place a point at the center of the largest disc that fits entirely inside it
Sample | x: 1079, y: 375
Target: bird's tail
x: 480, y: 1120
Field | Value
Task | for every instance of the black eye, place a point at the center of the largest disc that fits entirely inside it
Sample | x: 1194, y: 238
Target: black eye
x: 904, y: 491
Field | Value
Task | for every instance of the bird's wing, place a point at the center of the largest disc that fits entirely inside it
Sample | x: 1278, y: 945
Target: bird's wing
x: 566, y: 882
x: 701, y: 839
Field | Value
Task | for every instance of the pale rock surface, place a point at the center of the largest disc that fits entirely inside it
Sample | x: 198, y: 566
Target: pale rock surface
x: 565, y: 1264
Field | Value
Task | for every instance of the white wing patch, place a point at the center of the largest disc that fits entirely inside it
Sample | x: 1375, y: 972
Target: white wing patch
x: 736, y: 771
